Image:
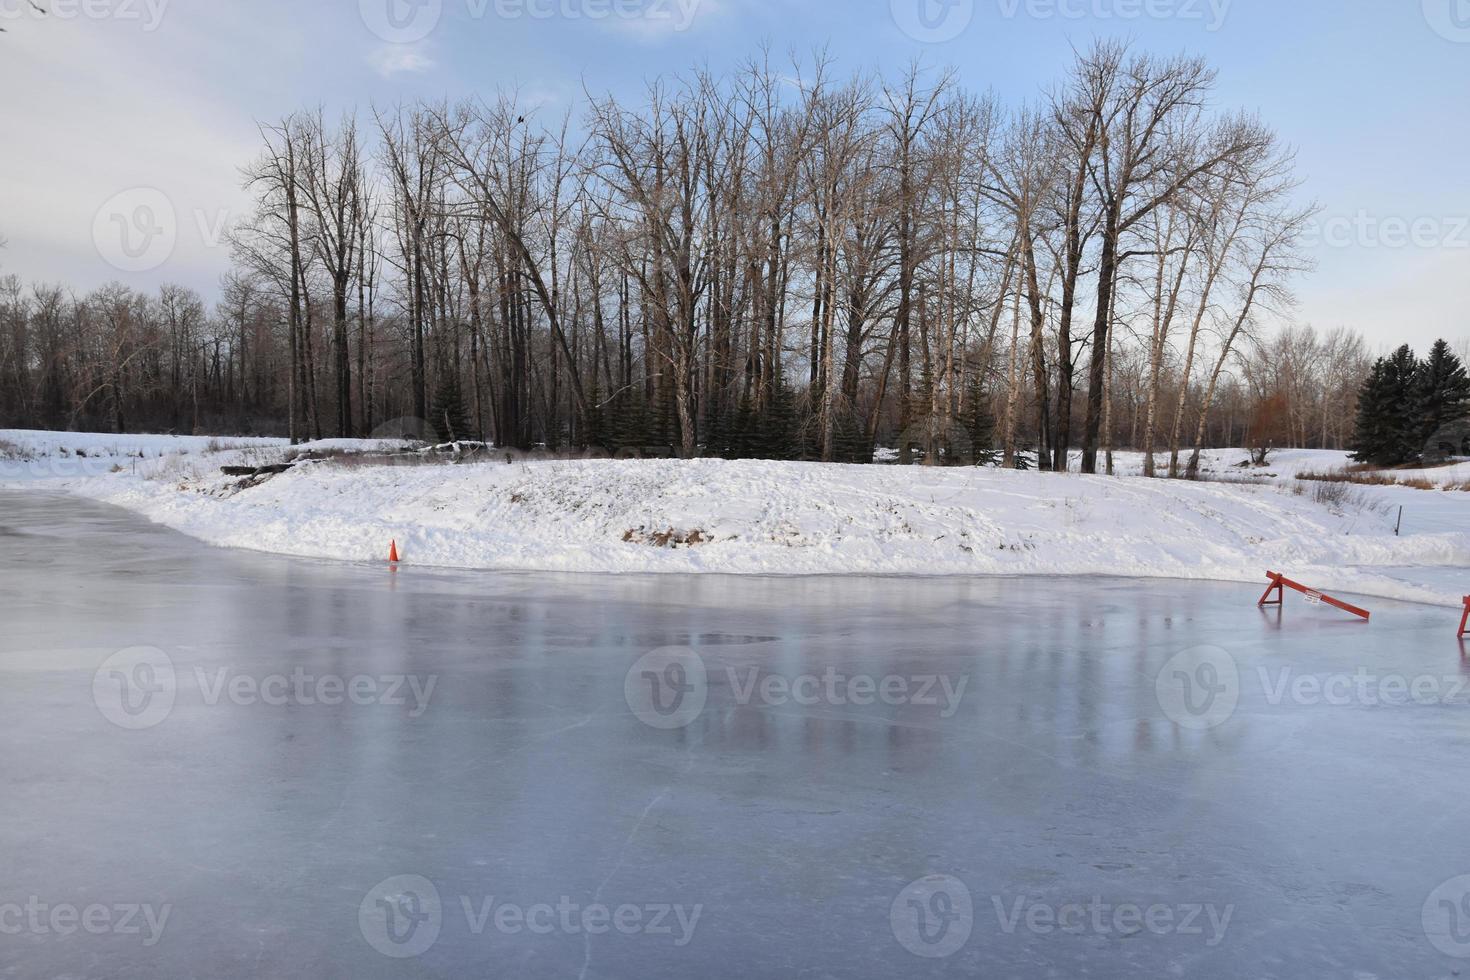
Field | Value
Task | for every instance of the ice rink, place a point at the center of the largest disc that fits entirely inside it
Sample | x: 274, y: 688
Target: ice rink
x: 226, y: 764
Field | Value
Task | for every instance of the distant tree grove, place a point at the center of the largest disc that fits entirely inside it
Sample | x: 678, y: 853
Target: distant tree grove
x: 779, y: 262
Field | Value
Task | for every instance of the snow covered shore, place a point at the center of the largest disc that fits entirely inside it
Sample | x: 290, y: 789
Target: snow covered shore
x: 716, y: 516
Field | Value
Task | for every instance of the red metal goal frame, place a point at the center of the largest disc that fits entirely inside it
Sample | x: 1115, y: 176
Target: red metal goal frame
x: 1280, y: 583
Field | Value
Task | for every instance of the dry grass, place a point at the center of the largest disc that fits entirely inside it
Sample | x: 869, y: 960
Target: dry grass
x: 444, y: 455
x: 1369, y: 478
x: 1333, y: 494
x: 344, y: 459
x: 1233, y: 479
x: 217, y: 445
x: 1342, y: 497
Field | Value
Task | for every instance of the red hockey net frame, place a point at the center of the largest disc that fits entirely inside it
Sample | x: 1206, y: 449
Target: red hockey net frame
x: 1280, y: 583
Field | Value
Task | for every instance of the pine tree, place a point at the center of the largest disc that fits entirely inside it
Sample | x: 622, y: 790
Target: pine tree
x: 1371, y: 436
x: 594, y: 420
x: 1443, y: 393
x: 980, y: 425
x: 740, y: 444
x: 806, y: 430
x: 629, y: 425
x: 850, y: 439
x: 778, y: 434
x: 1390, y: 426
x: 661, y: 425
x: 448, y: 415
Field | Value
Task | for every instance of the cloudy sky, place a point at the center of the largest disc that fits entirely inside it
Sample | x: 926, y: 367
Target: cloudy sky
x: 145, y: 107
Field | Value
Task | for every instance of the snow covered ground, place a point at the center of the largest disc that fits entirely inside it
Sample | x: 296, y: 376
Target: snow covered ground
x: 782, y: 518
x: 29, y: 454
x: 1287, y: 464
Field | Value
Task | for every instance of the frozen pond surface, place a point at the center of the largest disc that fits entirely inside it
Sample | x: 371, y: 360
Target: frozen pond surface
x: 1084, y: 801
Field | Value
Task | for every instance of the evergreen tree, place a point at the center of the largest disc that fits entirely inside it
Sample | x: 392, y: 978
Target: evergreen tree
x: 716, y: 432
x: 1443, y: 392
x: 1390, y: 427
x: 448, y: 415
x: 629, y: 425
x: 742, y: 439
x: 661, y: 425
x: 779, y: 429
x: 1372, y: 436
x: 806, y: 427
x: 594, y: 421
x: 980, y: 425
x: 850, y: 439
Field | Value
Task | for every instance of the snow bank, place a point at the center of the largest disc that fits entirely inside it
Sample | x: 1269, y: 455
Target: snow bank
x: 35, y: 454
x: 793, y: 518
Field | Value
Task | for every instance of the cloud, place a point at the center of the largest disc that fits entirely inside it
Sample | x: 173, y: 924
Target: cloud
x: 400, y: 59
x: 128, y: 125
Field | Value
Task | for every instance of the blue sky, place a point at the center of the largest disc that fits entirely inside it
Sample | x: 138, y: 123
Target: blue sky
x: 105, y: 96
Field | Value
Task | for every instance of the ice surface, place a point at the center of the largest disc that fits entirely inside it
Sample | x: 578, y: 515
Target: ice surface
x: 1064, y: 774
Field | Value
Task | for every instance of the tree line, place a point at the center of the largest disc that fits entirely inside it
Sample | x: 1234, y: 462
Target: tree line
x: 779, y: 262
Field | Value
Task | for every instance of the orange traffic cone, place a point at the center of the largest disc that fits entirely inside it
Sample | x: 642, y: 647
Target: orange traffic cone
x: 393, y: 553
